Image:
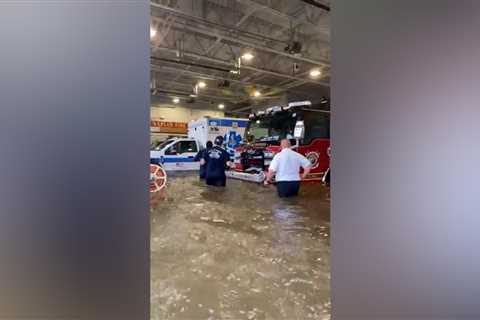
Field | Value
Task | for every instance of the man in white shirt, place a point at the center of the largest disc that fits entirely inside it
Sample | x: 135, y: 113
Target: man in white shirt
x: 285, y: 166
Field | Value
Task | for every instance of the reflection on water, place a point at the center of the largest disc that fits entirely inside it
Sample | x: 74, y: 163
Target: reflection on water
x: 239, y: 252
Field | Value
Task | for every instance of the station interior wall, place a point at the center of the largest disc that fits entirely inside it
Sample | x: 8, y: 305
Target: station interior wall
x: 175, y: 113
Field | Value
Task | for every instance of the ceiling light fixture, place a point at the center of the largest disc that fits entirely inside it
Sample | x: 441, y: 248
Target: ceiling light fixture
x: 256, y: 93
x: 221, y: 106
x: 247, y: 56
x: 315, y: 73
x: 176, y: 100
x: 202, y: 84
x: 153, y: 32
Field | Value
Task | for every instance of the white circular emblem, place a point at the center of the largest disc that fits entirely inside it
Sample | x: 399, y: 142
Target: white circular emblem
x: 313, y: 157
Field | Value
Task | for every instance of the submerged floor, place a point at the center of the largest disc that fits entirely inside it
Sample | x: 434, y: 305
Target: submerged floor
x: 239, y: 252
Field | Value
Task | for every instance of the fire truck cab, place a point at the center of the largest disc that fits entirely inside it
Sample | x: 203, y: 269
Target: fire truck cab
x: 306, y: 125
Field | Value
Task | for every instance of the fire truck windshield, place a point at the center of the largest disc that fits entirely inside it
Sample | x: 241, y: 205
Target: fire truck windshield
x: 273, y: 127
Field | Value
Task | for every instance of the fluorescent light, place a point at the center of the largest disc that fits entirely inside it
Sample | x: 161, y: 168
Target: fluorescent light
x: 248, y: 56
x: 202, y: 84
x: 153, y: 32
x: 299, y: 103
x: 193, y: 95
x: 315, y: 73
x: 176, y: 100
x: 256, y: 93
x: 221, y: 106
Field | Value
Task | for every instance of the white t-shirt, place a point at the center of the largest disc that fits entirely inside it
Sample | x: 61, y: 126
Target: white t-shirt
x: 286, y: 165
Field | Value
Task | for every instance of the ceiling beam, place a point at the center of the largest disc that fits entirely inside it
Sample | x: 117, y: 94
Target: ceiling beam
x: 219, y: 39
x: 198, y: 75
x: 189, y: 86
x: 225, y: 37
x: 187, y: 94
x: 246, y: 67
x: 287, y: 19
x: 190, y: 64
x: 206, y: 76
x: 317, y: 4
x: 213, y: 25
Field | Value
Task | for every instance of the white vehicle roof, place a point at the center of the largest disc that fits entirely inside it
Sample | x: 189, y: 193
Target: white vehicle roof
x: 206, y: 118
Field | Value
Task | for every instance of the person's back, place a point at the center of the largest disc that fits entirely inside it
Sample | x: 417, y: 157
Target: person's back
x: 201, y: 155
x: 285, y: 166
x: 216, y: 161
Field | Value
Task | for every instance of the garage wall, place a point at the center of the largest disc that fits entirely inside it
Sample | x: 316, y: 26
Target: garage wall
x: 405, y: 133
x: 180, y: 114
x: 176, y: 113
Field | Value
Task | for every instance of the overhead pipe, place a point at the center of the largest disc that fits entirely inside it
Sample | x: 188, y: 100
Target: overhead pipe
x: 192, y: 64
x: 317, y: 4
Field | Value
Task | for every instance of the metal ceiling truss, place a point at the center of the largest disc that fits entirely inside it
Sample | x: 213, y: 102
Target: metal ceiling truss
x: 226, y: 94
x: 189, y: 47
x: 266, y: 89
x: 244, y: 66
x: 218, y: 41
x: 241, y: 38
x: 214, y: 77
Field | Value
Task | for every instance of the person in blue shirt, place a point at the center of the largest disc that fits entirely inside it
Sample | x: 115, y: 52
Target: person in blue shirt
x: 216, y: 161
x: 201, y: 155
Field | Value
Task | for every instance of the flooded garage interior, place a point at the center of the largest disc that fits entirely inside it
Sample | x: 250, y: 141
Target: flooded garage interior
x: 251, y: 72
x: 239, y: 252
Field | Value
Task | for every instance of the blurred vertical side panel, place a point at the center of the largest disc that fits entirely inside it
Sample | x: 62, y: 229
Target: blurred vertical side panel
x: 74, y: 227
x: 405, y: 135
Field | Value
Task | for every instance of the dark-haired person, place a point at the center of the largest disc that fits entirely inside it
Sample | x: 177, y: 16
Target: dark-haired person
x: 285, y: 166
x: 201, y: 155
x: 216, y: 161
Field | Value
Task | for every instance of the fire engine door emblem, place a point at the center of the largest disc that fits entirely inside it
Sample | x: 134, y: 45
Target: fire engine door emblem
x: 313, y: 157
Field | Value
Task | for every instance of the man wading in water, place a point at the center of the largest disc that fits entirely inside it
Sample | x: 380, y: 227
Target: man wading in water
x: 285, y: 166
x: 216, y: 160
x: 201, y: 155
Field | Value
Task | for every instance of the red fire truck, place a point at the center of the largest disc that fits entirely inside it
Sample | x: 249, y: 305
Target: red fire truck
x: 305, y: 124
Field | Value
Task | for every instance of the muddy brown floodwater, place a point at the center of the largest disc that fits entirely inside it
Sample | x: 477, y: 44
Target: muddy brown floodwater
x: 239, y: 252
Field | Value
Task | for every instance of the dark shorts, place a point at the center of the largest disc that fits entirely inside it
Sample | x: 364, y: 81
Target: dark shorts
x: 288, y: 188
x: 218, y: 182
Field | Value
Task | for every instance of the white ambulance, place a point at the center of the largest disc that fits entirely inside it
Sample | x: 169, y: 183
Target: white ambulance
x: 178, y: 154
x: 207, y: 129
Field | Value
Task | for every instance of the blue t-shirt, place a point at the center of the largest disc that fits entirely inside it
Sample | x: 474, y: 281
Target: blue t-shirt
x: 216, y: 159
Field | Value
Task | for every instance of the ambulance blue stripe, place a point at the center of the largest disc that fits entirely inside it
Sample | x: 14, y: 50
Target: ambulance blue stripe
x: 155, y: 160
x: 228, y: 122
x: 178, y: 159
